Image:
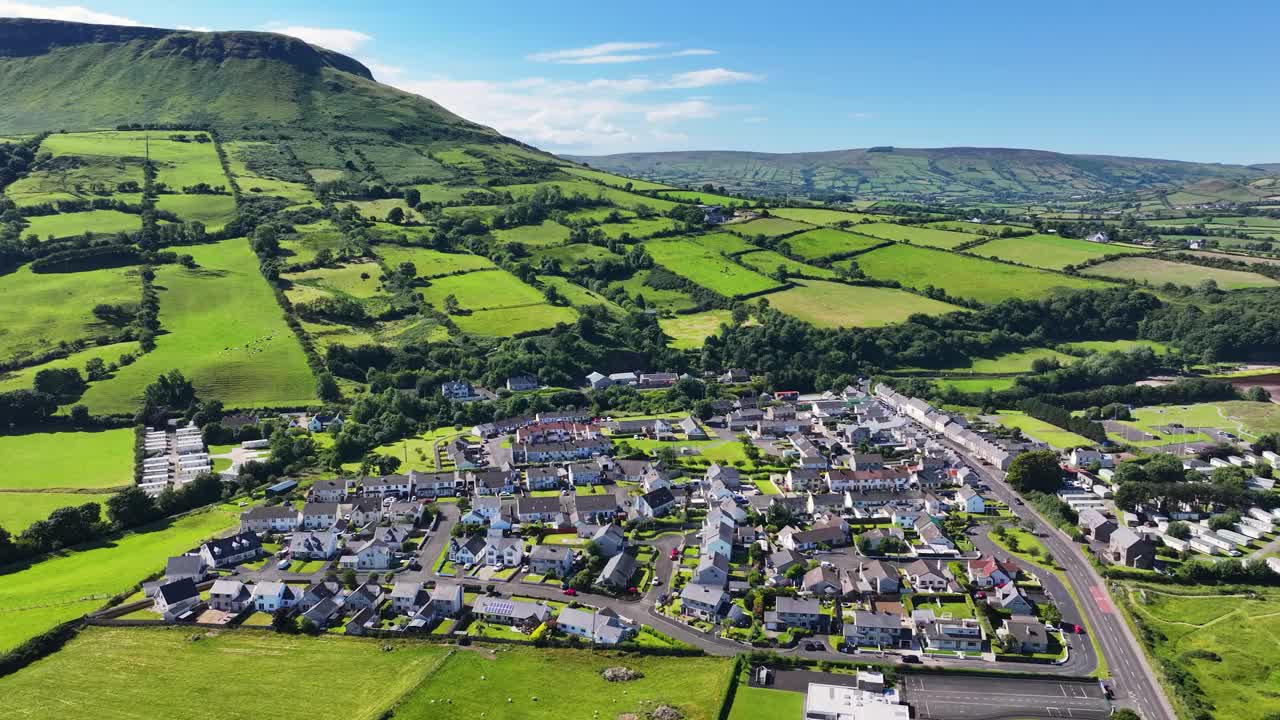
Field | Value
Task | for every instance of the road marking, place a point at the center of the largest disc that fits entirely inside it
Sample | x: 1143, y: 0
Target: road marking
x: 1101, y: 599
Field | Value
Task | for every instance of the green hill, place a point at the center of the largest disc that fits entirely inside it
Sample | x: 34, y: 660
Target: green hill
x: 937, y: 174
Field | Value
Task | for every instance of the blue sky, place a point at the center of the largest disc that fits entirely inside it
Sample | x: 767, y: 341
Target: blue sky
x: 1173, y: 79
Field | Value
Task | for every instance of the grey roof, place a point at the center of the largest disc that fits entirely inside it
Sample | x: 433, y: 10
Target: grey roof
x: 406, y: 589
x: 550, y: 552
x: 538, y: 505
x: 184, y: 565
x: 601, y: 502
x: 704, y: 594
x: 618, y: 570
x: 658, y: 498
x: 178, y: 590
x: 796, y: 606
x: 865, y: 618
x: 227, y: 586
x: 269, y: 512
x: 316, y: 508
x: 878, y: 570
x: 785, y: 558
x: 713, y: 560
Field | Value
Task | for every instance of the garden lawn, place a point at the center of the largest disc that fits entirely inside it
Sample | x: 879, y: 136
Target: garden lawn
x: 71, y: 460
x: 432, y: 263
x: 40, y: 310
x: 18, y: 510
x: 51, y: 592
x: 1050, y: 251
x: 95, y: 222
x: 966, y: 277
x: 916, y: 234
x: 689, y: 331
x: 1028, y: 546
x: 1155, y: 271
x: 161, y: 672
x: 832, y: 305
x: 769, y: 227
x: 478, y: 682
x: 221, y: 326
x: 1040, y: 430
x: 548, y: 233
x: 763, y: 704
x: 822, y: 216
x: 707, y: 268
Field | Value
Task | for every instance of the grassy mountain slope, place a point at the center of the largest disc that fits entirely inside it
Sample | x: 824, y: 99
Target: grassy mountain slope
x: 959, y: 173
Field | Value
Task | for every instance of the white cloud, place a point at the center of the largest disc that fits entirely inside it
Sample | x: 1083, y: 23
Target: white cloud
x: 687, y: 110
x: 340, y: 39
x: 712, y: 76
x: 70, y: 13
x: 383, y: 72
x: 613, y: 53
x: 189, y: 28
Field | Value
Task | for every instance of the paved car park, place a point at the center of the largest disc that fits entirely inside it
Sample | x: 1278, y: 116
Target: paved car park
x: 972, y: 697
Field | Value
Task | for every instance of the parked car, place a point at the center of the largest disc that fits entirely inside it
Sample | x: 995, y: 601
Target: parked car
x: 674, y: 553
x: 284, y: 564
x: 655, y: 582
x: 570, y: 592
x: 813, y: 645
x: 912, y: 659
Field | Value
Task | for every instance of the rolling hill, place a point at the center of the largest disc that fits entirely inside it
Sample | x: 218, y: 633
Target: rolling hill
x: 937, y: 174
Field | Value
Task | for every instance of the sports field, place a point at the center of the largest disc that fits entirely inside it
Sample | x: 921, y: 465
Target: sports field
x: 830, y: 305
x: 40, y: 310
x: 707, y: 268
x: 67, y: 460
x: 767, y: 262
x: 1050, y: 251
x: 966, y: 277
x: 94, y: 222
x: 431, y: 263
x: 826, y: 242
x: 220, y: 326
x: 689, y: 331
x: 1157, y: 272
x: 823, y: 216
x: 548, y: 233
x: 769, y: 227
x: 916, y: 234
x: 1035, y: 429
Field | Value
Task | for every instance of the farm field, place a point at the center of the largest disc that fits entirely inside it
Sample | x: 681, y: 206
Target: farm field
x: 40, y: 310
x: 703, y: 198
x: 621, y: 198
x: 965, y: 226
x: 976, y: 384
x: 966, y: 277
x: 823, y: 216
x: 573, y: 254
x: 706, y: 268
x: 721, y: 242
x: 505, y: 322
x: 178, y: 164
x: 446, y: 193
x: 671, y: 300
x: 164, y: 671
x: 577, y: 295
x: 1103, y: 346
x: 826, y: 242
x: 1040, y: 430
x: 1050, y: 251
x: 763, y: 704
x: 309, y: 240
x: 1157, y: 272
x: 20, y: 509
x: 831, y: 305
x: 1199, y: 631
x: 68, y: 460
x: 222, y: 327
x: 1015, y: 362
x: 688, y: 331
x: 357, y: 279
x: 254, y: 184
x: 431, y: 263
x: 769, y: 227
x: 767, y: 262
x: 1234, y: 257
x: 22, y: 378
x: 482, y: 290
x: 916, y: 234
x: 692, y: 685
x: 638, y: 228
x: 215, y: 211
x: 51, y: 592
x: 548, y: 233
x: 612, y: 180
x: 94, y: 222
x: 379, y: 209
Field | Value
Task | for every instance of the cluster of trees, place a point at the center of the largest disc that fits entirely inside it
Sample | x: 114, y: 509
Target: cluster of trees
x: 1035, y: 471
x: 1163, y: 482
x: 1062, y: 418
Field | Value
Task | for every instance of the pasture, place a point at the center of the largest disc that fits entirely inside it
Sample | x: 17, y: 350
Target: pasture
x: 309, y: 240
x: 221, y: 327
x: 1014, y: 362
x: 687, y: 332
x: 93, y: 222
x: 505, y: 322
x: 637, y: 228
x: 357, y: 279
x: 178, y: 164
x: 215, y: 211
x: 826, y: 242
x: 68, y: 460
x: 768, y: 262
x: 40, y: 310
x: 661, y: 299
x: 707, y: 268
x: 22, y: 378
x: 768, y: 227
x: 612, y: 180
x: 548, y: 233
x: 1050, y: 251
x: 1056, y: 437
x: 975, y: 384
x: 1104, y: 346
x: 379, y: 209
x: 916, y: 234
x: 446, y: 193
x: 1154, y: 271
x: 19, y: 509
x: 574, y: 254
x: 966, y: 277
x: 620, y: 198
x: 964, y: 226
x: 823, y: 216
x: 254, y: 184
x: 482, y: 290
x: 431, y: 263
x: 577, y: 295
x: 834, y: 305
x: 703, y: 198
x: 721, y: 242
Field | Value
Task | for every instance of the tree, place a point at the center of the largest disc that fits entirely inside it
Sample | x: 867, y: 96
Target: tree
x: 1178, y: 529
x: 396, y: 215
x: 1051, y: 614
x: 412, y: 197
x: 80, y: 415
x: 348, y: 578
x: 1036, y: 471
x: 1257, y: 393
x: 131, y: 507
x: 60, y: 383
x: 96, y: 369
x: 282, y: 621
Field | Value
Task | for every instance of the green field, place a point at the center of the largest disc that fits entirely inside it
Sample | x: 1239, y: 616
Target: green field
x: 94, y: 222
x: 671, y: 300
x: 446, y: 193
x: 548, y: 233
x: 577, y: 295
x: 18, y: 510
x: 830, y: 305
x: 222, y: 327
x: 1155, y: 271
x: 431, y: 263
x: 617, y: 181
x: 688, y: 331
x: 1014, y: 362
x: 215, y: 211
x: 722, y: 242
x: 1040, y: 430
x: 823, y: 216
x: 637, y: 228
x: 37, y: 598
x: 1200, y: 631
x: 40, y: 310
x: 976, y: 385
x: 357, y: 279
x: 68, y: 460
x: 967, y: 277
x: 574, y: 254
x: 767, y: 262
x: 703, y: 198
x: 257, y: 184
x: 482, y: 290
x: 512, y: 321
x: 707, y: 268
x: 621, y: 198
x: 769, y: 227
x: 179, y: 164
x: 23, y: 378
x: 964, y: 226
x: 379, y: 209
x: 1050, y: 251
x: 916, y: 234
x: 1103, y: 346
x: 1240, y: 417
x: 826, y: 242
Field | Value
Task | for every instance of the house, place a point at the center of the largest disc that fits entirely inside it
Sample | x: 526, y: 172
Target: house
x: 726, y: 474
x: 369, y: 555
x: 1024, y: 634
x: 595, y: 509
x: 617, y: 573
x: 1010, y: 597
x: 404, y: 511
x: 467, y: 551
x: 322, y: 422
x: 492, y: 481
x: 716, y: 539
x: 541, y: 478
x: 877, y: 630
x: 271, y: 595
x: 964, y: 635
x: 878, y: 578
x: 487, y: 510
x: 1130, y: 549
x: 804, y: 480
x: 925, y: 578
x: 971, y: 501
x: 656, y: 503
x: 547, y: 510
x: 522, y: 383
x: 231, y: 551
x: 323, y: 613
x: 581, y: 474
x: 873, y: 539
x: 611, y: 539
x: 932, y: 536
x: 553, y: 560
x: 317, y: 592
x: 407, y: 598
x: 789, y: 612
x: 361, y: 511
x: 713, y: 569
x: 229, y: 596
x: 706, y: 602
x: 319, y: 516
x: 400, y: 486
x: 504, y: 552
x: 602, y: 628
x: 313, y: 545
x: 459, y: 390
x: 364, y: 621
x: 824, y: 502
x: 866, y: 461
x: 327, y: 491
x: 1096, y: 526
x: 1099, y: 237
x: 823, y: 580
x: 989, y: 572
x: 191, y: 567
x: 447, y: 600
x: 598, y: 381
x: 368, y: 595
x: 509, y: 611
x: 174, y: 599
x: 270, y: 519
x: 734, y: 376
x: 829, y: 536
x: 692, y: 430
